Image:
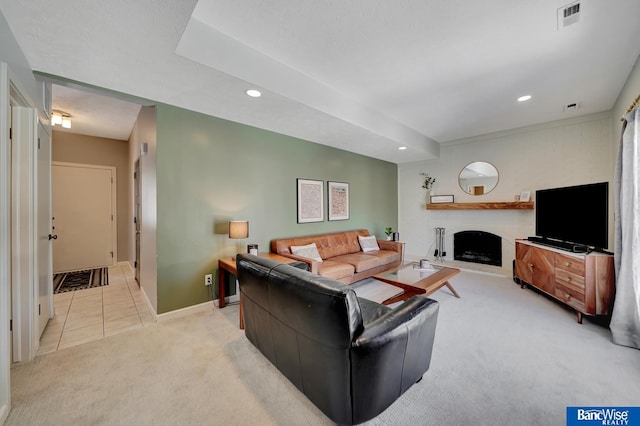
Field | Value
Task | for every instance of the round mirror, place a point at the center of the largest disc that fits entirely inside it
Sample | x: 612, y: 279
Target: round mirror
x: 478, y: 178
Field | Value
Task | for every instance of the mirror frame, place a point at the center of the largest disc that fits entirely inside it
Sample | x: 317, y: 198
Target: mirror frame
x: 484, y: 164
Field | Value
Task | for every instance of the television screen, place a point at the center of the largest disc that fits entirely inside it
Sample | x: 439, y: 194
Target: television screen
x: 574, y: 214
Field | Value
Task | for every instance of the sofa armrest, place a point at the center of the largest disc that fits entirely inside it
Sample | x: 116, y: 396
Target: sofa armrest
x: 391, y: 354
x: 391, y: 245
x: 418, y: 309
x: 312, y: 264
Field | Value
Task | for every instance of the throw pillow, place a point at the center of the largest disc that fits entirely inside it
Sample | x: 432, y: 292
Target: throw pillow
x: 309, y: 250
x: 368, y: 243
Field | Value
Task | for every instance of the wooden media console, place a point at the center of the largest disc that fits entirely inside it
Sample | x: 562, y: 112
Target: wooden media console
x: 583, y: 281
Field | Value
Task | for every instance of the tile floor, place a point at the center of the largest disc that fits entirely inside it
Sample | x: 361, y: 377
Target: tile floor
x: 86, y: 315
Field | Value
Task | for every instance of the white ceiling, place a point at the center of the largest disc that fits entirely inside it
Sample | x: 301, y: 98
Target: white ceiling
x: 93, y: 114
x: 367, y: 76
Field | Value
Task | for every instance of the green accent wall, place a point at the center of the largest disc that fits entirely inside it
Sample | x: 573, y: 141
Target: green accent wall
x: 210, y: 171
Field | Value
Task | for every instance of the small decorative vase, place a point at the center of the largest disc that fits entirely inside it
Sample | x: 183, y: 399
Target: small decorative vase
x: 389, y: 237
x: 428, y: 196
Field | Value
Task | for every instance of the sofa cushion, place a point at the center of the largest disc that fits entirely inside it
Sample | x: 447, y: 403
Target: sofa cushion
x: 329, y: 245
x: 361, y: 261
x: 386, y: 256
x: 340, y: 243
x: 335, y: 270
x: 368, y: 244
x: 310, y: 251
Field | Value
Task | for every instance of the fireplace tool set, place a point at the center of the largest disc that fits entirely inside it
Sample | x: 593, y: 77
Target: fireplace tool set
x: 440, y: 253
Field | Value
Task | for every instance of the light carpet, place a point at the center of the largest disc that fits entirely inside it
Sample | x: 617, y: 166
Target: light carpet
x: 502, y: 356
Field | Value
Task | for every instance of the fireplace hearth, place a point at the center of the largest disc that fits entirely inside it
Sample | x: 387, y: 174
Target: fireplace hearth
x: 477, y: 247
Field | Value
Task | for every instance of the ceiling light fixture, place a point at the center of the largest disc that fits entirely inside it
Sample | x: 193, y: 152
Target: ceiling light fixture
x: 524, y: 98
x: 253, y: 93
x: 402, y: 148
x: 61, y: 118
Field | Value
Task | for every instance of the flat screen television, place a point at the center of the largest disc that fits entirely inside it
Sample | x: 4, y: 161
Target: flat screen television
x: 574, y: 215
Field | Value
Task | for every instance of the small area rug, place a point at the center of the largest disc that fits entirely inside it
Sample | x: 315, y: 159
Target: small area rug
x: 80, y: 280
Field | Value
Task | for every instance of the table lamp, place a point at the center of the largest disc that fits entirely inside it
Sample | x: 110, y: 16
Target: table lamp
x: 239, y: 229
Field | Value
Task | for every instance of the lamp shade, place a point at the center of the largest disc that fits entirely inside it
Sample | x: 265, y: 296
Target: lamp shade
x: 238, y: 229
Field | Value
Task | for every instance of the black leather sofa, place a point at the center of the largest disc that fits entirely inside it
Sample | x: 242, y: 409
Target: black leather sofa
x: 350, y: 356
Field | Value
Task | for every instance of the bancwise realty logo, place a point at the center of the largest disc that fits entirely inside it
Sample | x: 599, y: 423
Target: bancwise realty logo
x: 586, y: 416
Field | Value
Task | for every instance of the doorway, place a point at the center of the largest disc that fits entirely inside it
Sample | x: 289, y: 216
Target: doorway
x: 31, y: 294
x: 84, y: 216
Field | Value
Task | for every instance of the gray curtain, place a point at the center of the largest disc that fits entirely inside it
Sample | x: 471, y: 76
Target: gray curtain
x: 625, y: 320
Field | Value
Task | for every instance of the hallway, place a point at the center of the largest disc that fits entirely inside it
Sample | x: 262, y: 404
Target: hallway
x: 86, y: 315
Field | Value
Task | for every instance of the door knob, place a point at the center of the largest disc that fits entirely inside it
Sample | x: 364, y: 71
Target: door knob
x: 53, y: 237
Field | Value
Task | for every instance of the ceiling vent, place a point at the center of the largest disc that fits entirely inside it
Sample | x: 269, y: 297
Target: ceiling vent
x: 568, y: 15
x: 572, y: 107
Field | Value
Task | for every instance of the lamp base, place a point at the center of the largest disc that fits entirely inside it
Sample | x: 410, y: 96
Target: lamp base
x: 252, y: 249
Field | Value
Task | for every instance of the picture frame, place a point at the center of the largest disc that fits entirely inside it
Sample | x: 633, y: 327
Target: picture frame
x: 310, y: 194
x: 525, y: 196
x: 338, y: 195
x: 435, y: 199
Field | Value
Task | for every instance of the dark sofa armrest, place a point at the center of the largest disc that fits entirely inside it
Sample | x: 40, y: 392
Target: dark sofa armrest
x: 391, y: 354
x: 312, y: 265
x: 418, y: 309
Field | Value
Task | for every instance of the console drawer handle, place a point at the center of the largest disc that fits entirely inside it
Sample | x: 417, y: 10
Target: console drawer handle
x: 567, y: 263
x: 567, y: 296
x: 568, y: 279
x: 530, y: 266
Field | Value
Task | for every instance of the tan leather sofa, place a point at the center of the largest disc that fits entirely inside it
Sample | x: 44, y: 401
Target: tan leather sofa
x: 342, y: 258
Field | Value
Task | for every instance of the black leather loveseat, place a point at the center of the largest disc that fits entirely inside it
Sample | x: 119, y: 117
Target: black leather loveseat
x: 351, y: 357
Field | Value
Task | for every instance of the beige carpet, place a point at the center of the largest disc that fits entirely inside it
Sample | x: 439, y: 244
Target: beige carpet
x: 502, y: 355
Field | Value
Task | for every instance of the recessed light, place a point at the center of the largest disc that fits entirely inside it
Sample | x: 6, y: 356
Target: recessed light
x: 402, y: 148
x: 253, y: 93
x: 524, y: 98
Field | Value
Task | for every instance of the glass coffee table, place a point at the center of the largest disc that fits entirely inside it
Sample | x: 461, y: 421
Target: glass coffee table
x: 414, y: 280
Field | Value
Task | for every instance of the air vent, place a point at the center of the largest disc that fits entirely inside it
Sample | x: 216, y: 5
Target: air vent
x: 573, y: 106
x: 568, y: 15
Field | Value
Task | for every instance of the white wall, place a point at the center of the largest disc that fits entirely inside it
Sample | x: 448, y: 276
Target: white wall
x: 629, y: 92
x: 562, y: 153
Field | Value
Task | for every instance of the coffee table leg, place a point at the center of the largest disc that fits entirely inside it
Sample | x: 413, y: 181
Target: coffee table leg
x: 450, y: 287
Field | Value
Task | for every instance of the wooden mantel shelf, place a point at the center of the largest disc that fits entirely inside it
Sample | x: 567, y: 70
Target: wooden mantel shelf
x: 500, y: 205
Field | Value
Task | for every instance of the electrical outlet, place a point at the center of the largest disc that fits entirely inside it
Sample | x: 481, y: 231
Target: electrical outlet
x: 208, y: 279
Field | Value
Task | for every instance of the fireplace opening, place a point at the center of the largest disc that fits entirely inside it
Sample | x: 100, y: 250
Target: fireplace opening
x: 477, y: 247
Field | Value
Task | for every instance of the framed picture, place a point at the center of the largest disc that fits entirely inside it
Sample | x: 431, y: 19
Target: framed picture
x: 310, y: 200
x: 525, y: 196
x: 338, y: 200
x: 434, y: 199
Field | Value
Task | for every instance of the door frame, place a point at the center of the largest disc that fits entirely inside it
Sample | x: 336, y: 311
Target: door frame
x: 24, y: 205
x: 5, y: 246
x: 137, y: 210
x: 114, y: 198
x: 44, y: 248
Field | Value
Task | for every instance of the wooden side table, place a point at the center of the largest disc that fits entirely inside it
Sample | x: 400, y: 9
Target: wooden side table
x: 227, y: 265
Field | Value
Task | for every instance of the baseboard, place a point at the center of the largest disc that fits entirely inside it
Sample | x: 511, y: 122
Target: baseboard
x: 227, y: 300
x: 149, y: 304
x: 202, y: 307
x: 125, y: 263
x: 4, y: 413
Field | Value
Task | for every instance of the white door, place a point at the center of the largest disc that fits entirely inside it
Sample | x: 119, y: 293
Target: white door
x: 83, y: 216
x: 45, y: 275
